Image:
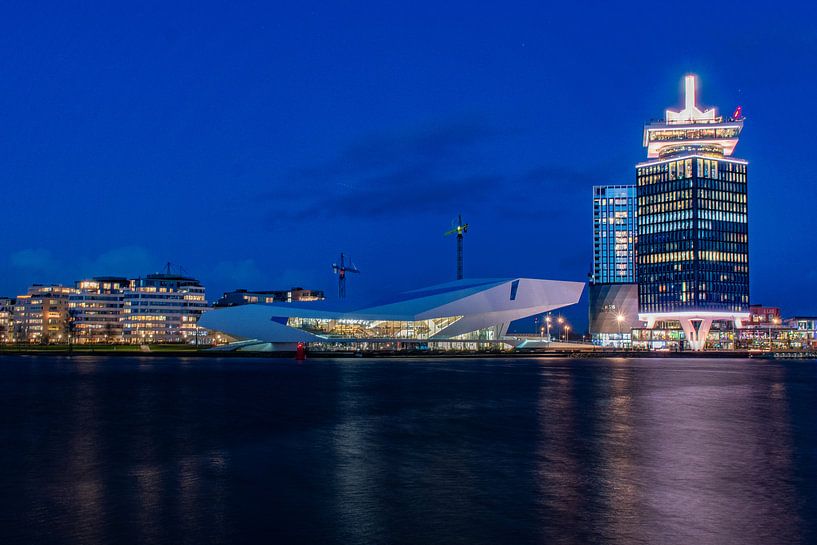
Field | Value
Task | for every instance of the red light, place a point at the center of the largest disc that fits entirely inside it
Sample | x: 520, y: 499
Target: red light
x: 738, y: 113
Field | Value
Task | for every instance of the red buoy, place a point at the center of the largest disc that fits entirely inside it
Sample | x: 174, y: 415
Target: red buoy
x: 300, y: 352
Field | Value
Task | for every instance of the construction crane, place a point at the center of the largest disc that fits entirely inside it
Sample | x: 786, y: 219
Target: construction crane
x: 459, y: 228
x: 340, y: 269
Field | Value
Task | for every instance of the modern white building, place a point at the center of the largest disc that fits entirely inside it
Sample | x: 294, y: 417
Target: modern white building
x: 96, y: 310
x: 461, y: 314
x: 163, y: 308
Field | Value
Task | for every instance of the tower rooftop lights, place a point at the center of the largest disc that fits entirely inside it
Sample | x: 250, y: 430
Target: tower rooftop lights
x: 691, y: 113
x: 692, y: 130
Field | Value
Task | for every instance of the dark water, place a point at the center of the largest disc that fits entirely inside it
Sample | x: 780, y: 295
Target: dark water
x: 469, y: 451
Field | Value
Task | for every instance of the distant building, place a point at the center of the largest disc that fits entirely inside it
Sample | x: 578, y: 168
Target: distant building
x: 693, y: 248
x: 245, y: 297
x: 6, y: 319
x: 761, y: 315
x: 163, y: 308
x: 97, y: 310
x: 614, y: 234
x: 806, y: 328
x: 613, y: 313
x: 613, y: 294
x: 41, y: 315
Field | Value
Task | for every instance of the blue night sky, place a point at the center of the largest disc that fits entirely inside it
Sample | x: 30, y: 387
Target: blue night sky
x: 252, y: 142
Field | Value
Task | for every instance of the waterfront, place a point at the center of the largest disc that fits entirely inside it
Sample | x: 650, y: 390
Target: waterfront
x: 522, y: 450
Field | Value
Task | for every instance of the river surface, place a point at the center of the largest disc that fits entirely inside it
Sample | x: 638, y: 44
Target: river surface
x: 472, y: 451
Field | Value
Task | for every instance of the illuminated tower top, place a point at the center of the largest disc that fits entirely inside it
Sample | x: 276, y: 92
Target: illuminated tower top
x: 692, y: 130
x: 690, y: 113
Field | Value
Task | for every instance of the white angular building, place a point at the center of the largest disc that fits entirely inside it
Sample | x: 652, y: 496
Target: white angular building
x: 462, y: 314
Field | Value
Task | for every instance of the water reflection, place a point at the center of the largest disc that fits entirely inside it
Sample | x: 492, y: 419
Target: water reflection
x: 494, y: 451
x: 705, y: 460
x: 84, y: 496
x: 558, y: 472
x: 618, y: 466
x: 356, y: 467
x: 640, y: 453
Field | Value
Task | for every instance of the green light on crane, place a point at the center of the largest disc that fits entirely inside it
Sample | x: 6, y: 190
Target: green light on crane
x: 459, y: 228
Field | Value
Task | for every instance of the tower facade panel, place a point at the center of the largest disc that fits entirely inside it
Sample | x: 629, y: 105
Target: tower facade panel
x: 614, y: 234
x: 693, y: 245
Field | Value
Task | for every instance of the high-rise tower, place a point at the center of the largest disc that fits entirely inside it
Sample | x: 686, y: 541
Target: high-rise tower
x: 614, y: 234
x: 693, y: 248
x: 613, y: 297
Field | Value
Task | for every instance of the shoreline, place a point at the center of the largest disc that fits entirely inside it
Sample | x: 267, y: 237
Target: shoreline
x: 575, y: 354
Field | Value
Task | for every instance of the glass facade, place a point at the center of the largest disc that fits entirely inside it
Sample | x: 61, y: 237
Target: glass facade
x: 374, y: 329
x: 693, y: 237
x: 614, y: 234
x: 693, y: 247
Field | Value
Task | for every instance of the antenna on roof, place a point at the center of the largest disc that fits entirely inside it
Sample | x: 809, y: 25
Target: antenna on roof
x: 168, y: 269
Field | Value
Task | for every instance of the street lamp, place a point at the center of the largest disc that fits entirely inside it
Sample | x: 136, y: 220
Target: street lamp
x: 567, y: 333
x: 774, y: 321
x: 547, y: 320
x: 619, y: 319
